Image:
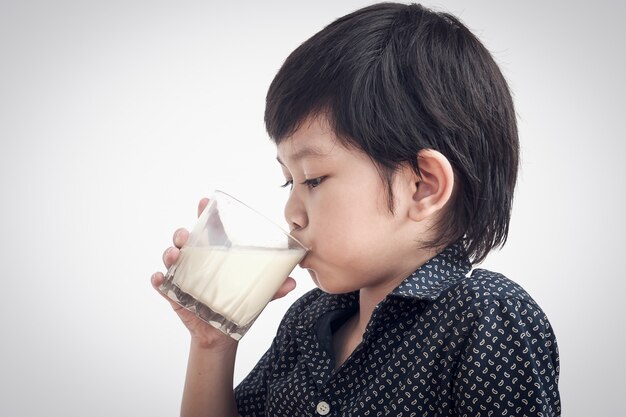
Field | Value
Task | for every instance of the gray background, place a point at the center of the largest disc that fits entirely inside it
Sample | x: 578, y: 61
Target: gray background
x: 116, y: 117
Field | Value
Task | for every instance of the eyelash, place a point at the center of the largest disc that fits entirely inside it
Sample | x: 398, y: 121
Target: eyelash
x: 312, y: 183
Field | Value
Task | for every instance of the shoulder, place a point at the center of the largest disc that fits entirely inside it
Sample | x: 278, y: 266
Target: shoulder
x: 484, y: 294
x: 508, y: 339
x: 493, y: 301
x: 483, y: 288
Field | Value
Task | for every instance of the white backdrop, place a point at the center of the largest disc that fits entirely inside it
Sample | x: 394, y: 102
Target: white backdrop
x: 117, y: 117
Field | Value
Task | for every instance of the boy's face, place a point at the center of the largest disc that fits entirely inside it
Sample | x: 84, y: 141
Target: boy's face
x: 338, y: 208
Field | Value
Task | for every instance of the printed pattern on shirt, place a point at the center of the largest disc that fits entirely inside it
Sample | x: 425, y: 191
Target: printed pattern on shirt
x: 441, y: 344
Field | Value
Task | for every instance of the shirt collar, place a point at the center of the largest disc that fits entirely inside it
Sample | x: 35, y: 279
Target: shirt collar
x: 426, y: 283
x: 439, y: 273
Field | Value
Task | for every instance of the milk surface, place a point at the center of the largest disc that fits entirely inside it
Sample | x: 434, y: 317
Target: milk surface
x: 234, y: 282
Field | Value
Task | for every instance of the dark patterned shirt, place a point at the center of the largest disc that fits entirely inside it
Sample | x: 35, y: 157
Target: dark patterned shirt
x: 443, y: 343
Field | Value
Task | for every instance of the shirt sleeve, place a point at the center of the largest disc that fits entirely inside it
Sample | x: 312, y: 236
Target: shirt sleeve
x: 510, y: 365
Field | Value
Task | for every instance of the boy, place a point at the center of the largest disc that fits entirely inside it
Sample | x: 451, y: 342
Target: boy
x: 396, y: 133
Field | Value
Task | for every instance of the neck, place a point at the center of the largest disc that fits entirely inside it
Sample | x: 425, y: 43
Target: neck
x: 369, y: 298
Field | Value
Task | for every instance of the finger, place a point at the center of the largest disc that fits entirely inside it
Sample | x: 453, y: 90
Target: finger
x: 202, y: 205
x: 169, y: 256
x: 288, y: 286
x: 180, y: 237
x: 157, y: 279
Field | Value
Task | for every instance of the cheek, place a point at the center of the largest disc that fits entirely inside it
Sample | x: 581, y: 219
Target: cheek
x: 348, y: 236
x: 348, y: 221
x: 337, y: 220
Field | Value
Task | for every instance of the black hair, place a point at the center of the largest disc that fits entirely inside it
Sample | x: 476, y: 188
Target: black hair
x: 393, y: 79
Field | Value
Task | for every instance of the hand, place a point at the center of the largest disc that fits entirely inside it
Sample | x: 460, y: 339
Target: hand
x: 202, y: 333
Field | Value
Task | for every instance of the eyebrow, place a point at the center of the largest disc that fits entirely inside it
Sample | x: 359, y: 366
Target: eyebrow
x: 305, y: 152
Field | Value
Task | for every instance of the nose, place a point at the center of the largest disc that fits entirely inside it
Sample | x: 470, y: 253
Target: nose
x: 295, y: 214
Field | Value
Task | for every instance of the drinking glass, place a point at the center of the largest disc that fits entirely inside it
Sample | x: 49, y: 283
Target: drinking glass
x: 232, y: 265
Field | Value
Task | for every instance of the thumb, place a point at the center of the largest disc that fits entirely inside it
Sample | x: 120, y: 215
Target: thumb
x: 288, y: 285
x: 202, y: 204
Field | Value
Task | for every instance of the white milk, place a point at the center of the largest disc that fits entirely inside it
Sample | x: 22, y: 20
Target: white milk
x: 234, y: 282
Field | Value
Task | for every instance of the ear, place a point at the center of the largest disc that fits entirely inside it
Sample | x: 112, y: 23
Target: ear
x: 434, y: 189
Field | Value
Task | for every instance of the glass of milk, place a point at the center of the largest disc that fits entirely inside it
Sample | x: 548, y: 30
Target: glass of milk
x: 232, y: 265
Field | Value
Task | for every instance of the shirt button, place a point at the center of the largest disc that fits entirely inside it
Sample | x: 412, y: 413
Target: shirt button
x: 323, y: 408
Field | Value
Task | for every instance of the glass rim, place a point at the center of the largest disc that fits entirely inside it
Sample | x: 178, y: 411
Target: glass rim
x: 217, y: 191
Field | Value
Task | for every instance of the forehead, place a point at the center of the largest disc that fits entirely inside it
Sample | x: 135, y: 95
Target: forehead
x: 314, y: 139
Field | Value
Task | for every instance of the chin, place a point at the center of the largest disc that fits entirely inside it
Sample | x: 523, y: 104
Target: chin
x: 329, y: 289
x: 335, y: 290
x: 313, y: 277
